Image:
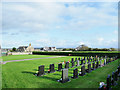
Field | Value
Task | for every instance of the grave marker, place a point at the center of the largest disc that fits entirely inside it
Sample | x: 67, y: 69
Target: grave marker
x: 75, y: 73
x: 51, y: 68
x: 41, y: 70
x: 64, y: 76
x: 59, y: 67
x: 67, y: 65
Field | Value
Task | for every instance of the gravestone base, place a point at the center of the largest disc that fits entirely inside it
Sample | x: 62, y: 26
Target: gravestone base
x: 64, y: 81
x: 72, y: 66
x: 74, y: 77
x: 51, y: 71
x: 88, y: 71
x: 114, y: 84
x: 59, y: 70
x: 93, y: 68
x: 82, y: 74
x: 40, y: 75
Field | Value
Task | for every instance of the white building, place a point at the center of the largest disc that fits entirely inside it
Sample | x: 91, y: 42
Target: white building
x: 25, y: 48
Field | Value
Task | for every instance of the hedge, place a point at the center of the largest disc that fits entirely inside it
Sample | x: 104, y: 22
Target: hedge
x: 77, y: 53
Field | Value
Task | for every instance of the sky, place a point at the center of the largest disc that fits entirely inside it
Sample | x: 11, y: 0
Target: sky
x: 60, y: 24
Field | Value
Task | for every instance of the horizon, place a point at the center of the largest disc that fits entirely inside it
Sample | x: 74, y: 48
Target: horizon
x: 60, y: 24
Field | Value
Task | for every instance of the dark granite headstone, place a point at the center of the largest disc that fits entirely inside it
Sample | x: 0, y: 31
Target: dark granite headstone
x: 89, y: 67
x: 79, y: 59
x: 116, y: 75
x: 67, y: 65
x: 64, y: 76
x: 72, y: 60
x: 81, y: 62
x: 113, y: 79
x: 108, y: 87
x: 97, y: 64
x: 118, y: 69
x: 73, y: 64
x: 41, y: 70
x: 93, y: 65
x: 82, y: 73
x: 75, y: 73
x: 51, y: 68
x: 75, y: 59
x: 59, y: 67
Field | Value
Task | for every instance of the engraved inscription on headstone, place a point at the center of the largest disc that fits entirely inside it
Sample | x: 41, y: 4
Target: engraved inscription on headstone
x: 59, y: 66
x: 67, y: 65
x: 64, y: 76
x: 78, y: 63
x: 82, y: 73
x: 51, y: 68
x: 41, y: 70
x: 75, y: 73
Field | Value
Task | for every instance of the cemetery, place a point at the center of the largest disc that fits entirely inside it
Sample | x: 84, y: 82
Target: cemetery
x: 61, y: 72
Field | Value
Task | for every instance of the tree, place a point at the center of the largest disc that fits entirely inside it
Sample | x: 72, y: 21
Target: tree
x: 13, y: 49
x: 112, y: 49
x: 82, y: 47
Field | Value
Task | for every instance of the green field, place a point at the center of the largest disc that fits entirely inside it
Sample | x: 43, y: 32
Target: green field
x: 18, y: 57
x: 21, y: 74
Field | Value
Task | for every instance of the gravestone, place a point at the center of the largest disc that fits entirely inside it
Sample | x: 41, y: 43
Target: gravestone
x: 75, y: 59
x: 78, y: 63
x: 100, y: 63
x: 73, y: 64
x: 41, y: 70
x: 89, y: 68
x: 81, y: 62
x: 75, y: 73
x: 118, y: 69
x: 113, y: 79
x: 98, y: 58
x: 67, y: 65
x: 51, y: 68
x: 64, y: 77
x: 85, y: 61
x: 108, y: 82
x: 105, y: 61
x: 59, y: 67
x: 72, y: 60
x: 82, y: 73
x: 116, y: 75
x: 93, y: 65
x: 97, y: 64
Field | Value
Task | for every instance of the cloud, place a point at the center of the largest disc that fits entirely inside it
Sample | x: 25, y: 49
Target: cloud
x: 49, y: 21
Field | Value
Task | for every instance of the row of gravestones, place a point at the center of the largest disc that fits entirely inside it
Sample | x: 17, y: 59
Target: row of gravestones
x: 112, y: 80
x: 83, y: 70
x: 81, y: 73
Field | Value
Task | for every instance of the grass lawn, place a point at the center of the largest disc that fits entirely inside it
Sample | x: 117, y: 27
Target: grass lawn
x: 18, y: 57
x: 21, y: 75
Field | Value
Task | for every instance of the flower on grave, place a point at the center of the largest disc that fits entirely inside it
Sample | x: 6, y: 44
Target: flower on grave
x: 96, y: 56
x: 48, y: 69
x: 102, y: 84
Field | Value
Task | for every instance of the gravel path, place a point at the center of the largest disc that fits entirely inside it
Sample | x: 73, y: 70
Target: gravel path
x: 31, y: 59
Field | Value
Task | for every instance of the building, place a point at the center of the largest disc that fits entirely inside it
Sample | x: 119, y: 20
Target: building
x: 25, y: 48
x: 48, y: 48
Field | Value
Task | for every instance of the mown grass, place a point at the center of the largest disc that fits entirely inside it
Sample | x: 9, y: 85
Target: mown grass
x: 18, y: 57
x: 21, y: 75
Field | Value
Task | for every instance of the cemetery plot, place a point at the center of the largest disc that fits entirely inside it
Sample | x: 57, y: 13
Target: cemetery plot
x: 49, y: 80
